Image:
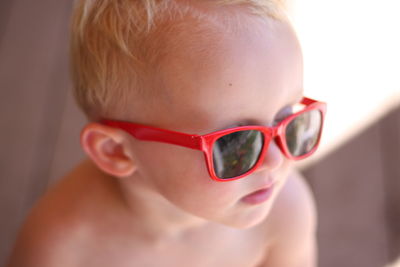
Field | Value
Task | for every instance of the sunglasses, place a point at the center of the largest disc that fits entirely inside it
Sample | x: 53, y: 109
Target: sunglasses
x: 236, y: 152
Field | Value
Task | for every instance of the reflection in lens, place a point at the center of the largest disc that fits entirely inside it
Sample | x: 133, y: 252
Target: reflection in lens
x: 302, y: 133
x: 236, y: 153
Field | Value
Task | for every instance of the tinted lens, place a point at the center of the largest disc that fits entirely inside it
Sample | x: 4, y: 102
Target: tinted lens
x: 236, y: 153
x: 302, y: 132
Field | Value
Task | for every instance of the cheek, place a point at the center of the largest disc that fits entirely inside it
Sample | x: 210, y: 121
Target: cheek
x: 166, y: 164
x: 181, y: 176
x: 285, y: 169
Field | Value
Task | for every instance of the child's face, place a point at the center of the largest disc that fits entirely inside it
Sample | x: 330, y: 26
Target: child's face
x: 230, y: 79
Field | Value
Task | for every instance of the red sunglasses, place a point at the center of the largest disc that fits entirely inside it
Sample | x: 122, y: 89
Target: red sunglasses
x: 234, y: 153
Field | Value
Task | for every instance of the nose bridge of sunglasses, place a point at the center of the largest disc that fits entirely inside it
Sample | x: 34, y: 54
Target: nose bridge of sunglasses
x: 276, y: 131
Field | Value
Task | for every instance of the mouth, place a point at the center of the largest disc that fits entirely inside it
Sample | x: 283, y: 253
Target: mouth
x: 259, y: 196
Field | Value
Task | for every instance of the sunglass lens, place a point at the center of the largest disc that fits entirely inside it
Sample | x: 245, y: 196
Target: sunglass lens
x: 236, y: 153
x: 303, y: 132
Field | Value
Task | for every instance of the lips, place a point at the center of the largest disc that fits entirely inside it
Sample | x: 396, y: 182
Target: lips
x: 258, y: 196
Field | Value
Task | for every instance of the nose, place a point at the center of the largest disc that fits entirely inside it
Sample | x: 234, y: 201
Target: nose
x: 273, y: 157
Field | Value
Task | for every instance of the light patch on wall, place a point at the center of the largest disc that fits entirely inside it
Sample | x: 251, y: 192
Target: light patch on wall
x: 352, y: 61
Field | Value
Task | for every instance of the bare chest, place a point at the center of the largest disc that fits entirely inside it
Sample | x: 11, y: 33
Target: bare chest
x: 241, y: 249
x: 206, y: 255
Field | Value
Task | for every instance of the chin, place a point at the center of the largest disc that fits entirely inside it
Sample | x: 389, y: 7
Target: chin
x: 250, y: 218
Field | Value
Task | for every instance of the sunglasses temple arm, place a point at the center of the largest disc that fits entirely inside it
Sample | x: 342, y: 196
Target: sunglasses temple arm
x: 307, y: 101
x: 165, y: 136
x: 148, y: 133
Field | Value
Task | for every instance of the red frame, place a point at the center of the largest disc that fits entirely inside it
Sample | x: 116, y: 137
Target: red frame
x: 205, y: 142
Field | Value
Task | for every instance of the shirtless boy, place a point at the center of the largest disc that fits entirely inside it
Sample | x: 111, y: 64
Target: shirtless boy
x: 196, y: 115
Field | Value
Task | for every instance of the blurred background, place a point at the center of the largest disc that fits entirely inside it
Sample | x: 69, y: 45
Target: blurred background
x: 352, y: 61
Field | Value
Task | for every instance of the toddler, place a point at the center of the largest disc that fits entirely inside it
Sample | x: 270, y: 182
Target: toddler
x: 196, y: 114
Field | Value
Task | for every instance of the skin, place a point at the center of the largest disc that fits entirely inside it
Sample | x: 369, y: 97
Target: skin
x: 141, y: 203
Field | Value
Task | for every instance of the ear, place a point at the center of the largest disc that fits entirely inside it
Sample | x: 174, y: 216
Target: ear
x: 108, y: 148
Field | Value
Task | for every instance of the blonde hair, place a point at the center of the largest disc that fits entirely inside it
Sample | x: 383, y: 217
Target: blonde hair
x: 115, y: 42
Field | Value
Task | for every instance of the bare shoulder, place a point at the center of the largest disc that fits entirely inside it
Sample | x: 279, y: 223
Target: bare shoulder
x: 47, y: 238
x: 45, y: 241
x: 293, y: 225
x: 55, y: 230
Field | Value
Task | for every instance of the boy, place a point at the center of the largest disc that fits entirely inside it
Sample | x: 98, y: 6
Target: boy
x: 155, y: 78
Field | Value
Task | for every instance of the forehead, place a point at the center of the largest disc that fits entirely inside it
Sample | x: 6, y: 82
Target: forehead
x: 213, y: 78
